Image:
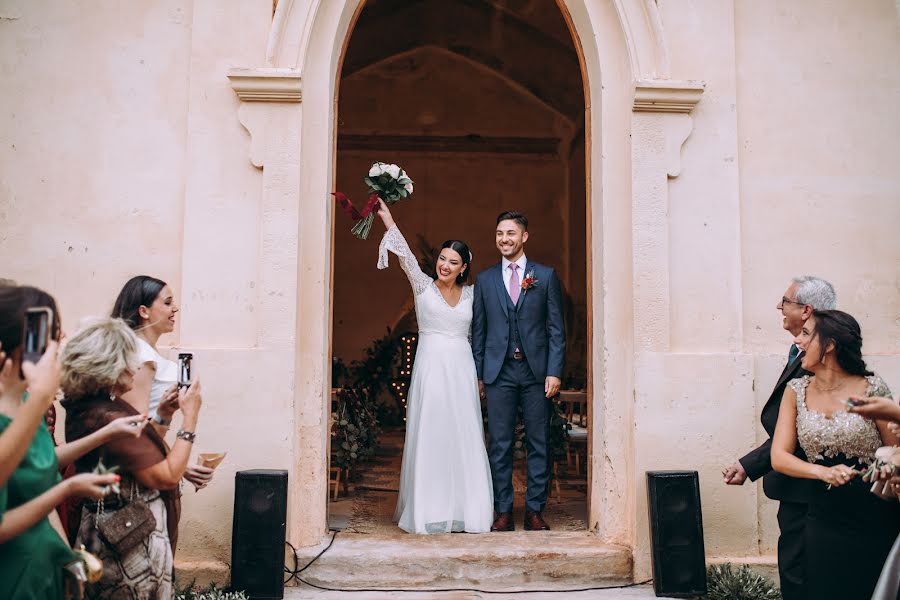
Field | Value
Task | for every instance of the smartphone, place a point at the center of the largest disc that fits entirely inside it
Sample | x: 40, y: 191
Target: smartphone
x: 37, y: 333
x: 184, y: 369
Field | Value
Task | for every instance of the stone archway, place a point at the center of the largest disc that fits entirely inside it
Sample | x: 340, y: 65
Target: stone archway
x: 638, y: 120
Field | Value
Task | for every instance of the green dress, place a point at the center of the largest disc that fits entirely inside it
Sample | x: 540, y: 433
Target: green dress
x: 31, y: 565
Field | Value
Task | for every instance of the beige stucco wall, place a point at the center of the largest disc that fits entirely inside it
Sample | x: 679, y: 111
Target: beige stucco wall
x: 122, y: 153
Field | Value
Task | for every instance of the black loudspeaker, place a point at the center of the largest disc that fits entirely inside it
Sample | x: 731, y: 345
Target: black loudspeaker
x: 258, y: 533
x: 676, y: 532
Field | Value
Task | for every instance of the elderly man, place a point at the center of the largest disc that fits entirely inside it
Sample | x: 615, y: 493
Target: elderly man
x: 803, y: 295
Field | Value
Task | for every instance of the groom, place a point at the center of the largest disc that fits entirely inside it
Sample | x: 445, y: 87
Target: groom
x: 518, y: 340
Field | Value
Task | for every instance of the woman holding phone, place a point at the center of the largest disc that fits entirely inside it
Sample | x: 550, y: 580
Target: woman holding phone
x: 148, y: 306
x: 33, y: 550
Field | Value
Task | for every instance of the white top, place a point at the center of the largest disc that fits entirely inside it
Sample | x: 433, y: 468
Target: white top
x: 507, y: 272
x: 166, y: 374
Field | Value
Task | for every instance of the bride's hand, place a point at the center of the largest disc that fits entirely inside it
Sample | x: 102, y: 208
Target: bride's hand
x: 385, y: 214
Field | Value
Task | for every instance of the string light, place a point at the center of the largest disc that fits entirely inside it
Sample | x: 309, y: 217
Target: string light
x: 404, y: 373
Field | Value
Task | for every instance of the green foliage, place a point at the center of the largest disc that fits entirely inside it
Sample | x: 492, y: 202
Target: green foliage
x: 354, y: 431
x: 210, y: 592
x: 738, y: 582
x: 389, y: 189
x: 374, y: 374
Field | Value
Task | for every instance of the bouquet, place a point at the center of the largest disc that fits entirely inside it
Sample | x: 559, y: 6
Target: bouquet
x: 387, y: 182
x: 879, y: 473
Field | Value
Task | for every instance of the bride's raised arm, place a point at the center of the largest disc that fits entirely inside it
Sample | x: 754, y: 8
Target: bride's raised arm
x: 394, y: 241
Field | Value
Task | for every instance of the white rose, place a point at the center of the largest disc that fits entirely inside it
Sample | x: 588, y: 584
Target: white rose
x: 376, y: 170
x: 409, y: 188
x: 392, y: 170
x: 885, y: 453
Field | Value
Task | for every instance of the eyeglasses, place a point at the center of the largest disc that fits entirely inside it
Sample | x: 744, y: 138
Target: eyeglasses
x: 785, y: 300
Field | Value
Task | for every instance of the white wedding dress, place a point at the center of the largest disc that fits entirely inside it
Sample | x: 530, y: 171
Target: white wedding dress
x: 445, y: 480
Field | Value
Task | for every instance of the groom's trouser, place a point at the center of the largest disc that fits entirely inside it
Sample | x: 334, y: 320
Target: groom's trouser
x: 514, y: 385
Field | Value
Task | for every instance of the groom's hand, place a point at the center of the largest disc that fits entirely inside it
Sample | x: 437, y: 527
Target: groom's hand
x: 551, y: 386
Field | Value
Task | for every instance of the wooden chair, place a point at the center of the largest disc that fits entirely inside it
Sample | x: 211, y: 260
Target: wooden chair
x: 335, y: 482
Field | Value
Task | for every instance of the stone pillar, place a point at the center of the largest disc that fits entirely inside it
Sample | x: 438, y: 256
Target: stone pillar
x: 271, y: 112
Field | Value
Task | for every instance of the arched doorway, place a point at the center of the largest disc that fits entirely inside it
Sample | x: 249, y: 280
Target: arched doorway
x: 483, y: 104
x: 636, y: 121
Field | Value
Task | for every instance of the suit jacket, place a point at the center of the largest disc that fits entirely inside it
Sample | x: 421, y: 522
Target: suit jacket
x: 540, y: 316
x: 758, y: 462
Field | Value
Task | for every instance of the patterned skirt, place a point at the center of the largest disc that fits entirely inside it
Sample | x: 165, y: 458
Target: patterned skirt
x: 145, y: 572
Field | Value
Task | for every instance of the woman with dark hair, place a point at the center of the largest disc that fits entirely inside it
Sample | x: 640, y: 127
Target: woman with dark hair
x: 445, y: 478
x: 147, y: 305
x: 33, y: 550
x: 41, y: 378
x: 849, y: 531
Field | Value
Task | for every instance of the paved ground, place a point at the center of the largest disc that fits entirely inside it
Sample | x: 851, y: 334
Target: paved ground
x: 369, y: 507
x: 644, y: 592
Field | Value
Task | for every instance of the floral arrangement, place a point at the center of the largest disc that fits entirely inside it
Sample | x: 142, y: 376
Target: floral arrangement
x: 879, y: 473
x: 529, y: 282
x: 387, y: 182
x: 354, y: 430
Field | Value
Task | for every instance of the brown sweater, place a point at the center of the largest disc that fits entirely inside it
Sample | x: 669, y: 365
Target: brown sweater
x: 86, y: 415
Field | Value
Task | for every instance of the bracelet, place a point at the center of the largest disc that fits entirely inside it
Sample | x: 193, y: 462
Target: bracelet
x: 187, y: 436
x: 161, y: 421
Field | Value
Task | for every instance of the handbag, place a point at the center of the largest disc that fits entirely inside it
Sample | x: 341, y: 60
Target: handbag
x: 123, y: 529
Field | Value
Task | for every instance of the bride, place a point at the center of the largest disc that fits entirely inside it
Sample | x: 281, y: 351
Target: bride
x: 445, y: 480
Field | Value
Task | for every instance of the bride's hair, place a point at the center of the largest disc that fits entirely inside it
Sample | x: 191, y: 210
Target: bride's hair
x: 462, y: 249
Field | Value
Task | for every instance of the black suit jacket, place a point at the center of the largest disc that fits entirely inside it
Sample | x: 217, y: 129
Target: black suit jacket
x: 758, y: 462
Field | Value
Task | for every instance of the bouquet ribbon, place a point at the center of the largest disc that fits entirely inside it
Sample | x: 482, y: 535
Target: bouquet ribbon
x: 347, y: 205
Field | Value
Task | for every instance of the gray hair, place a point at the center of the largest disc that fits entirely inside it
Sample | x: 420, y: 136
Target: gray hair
x: 815, y: 292
x: 94, y: 359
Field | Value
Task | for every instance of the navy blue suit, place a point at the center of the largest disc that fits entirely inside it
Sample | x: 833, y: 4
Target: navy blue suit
x: 535, y: 326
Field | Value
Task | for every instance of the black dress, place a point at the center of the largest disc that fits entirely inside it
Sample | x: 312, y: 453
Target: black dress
x: 849, y: 530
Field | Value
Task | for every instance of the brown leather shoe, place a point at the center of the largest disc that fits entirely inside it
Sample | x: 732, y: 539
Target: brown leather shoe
x: 535, y: 522
x: 504, y: 522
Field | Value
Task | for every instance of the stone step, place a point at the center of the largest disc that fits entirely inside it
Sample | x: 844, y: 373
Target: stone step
x: 492, y: 561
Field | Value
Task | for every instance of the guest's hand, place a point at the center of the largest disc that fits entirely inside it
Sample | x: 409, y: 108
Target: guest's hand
x: 837, y: 475
x: 735, y: 474
x: 168, y: 404
x: 551, y: 386
x: 130, y: 426
x: 875, y: 408
x: 89, y: 485
x: 190, y: 400
x: 199, y: 475
x: 43, y: 377
x: 385, y: 214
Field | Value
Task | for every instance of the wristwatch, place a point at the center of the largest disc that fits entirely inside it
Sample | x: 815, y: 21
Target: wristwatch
x: 187, y: 436
x: 161, y: 421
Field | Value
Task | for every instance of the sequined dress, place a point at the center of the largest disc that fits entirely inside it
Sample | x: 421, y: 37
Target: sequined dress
x: 445, y: 478
x: 849, y: 531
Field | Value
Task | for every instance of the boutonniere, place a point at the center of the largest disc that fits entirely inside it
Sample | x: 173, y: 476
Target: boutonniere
x: 529, y: 282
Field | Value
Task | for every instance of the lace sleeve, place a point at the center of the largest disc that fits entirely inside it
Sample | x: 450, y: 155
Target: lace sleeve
x: 394, y: 241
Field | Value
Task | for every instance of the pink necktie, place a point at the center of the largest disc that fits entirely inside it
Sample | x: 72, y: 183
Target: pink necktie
x: 514, y: 287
